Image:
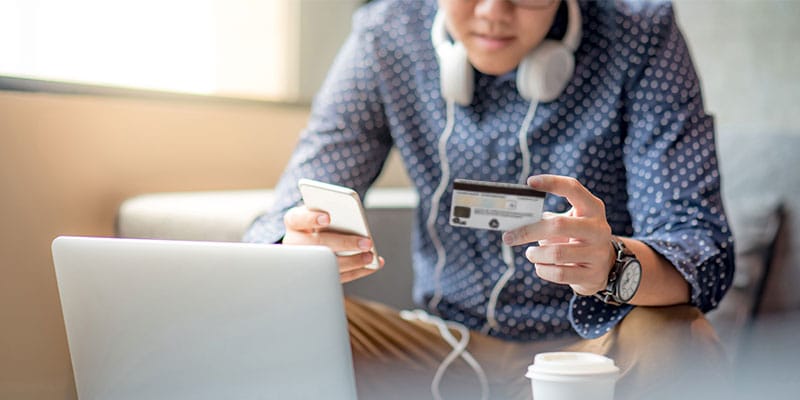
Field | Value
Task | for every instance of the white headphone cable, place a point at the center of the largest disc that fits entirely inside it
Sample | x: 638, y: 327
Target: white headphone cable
x: 441, y: 256
x: 523, y: 142
x: 459, y: 347
x: 508, y: 253
x: 459, y: 350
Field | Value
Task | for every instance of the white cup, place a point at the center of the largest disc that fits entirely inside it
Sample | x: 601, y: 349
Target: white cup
x: 572, y: 376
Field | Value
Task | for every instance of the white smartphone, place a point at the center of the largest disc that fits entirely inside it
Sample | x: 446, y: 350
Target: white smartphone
x: 344, y: 207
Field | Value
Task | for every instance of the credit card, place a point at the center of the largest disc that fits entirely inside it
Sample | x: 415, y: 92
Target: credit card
x: 494, y: 205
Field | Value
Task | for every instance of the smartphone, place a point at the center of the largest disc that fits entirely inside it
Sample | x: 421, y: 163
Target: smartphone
x: 344, y: 207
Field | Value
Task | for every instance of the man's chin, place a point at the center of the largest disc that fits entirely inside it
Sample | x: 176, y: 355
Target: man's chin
x: 495, y: 71
x: 489, y: 66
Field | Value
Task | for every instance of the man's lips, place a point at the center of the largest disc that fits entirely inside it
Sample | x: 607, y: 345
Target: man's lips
x: 492, y: 42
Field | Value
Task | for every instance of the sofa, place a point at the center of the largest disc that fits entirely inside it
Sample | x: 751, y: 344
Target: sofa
x: 225, y: 215
x: 761, y: 190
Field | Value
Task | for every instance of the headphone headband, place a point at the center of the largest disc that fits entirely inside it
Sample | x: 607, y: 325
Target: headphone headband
x: 439, y: 31
x: 572, y: 39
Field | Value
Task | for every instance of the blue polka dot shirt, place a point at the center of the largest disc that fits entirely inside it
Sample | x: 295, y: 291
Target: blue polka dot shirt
x: 630, y: 125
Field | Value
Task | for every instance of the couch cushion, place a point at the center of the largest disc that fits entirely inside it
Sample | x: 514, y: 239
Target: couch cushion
x: 755, y: 223
x: 220, y: 216
x: 225, y: 215
x: 758, y: 165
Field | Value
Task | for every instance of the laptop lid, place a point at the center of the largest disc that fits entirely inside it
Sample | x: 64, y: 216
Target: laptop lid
x: 150, y: 319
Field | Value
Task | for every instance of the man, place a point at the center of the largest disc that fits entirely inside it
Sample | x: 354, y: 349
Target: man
x: 622, y: 145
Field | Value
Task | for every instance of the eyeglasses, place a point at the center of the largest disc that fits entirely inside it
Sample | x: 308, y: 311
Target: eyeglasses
x: 529, y: 4
x: 533, y: 3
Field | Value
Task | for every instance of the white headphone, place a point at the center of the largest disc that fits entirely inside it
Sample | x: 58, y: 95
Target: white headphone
x: 541, y: 76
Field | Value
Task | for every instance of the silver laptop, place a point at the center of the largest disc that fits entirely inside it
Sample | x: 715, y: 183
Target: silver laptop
x: 150, y: 319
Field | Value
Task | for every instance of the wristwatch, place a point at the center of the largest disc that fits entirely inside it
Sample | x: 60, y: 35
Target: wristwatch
x: 624, y: 278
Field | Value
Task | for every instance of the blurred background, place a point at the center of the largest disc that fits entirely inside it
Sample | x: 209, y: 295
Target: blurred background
x: 101, y: 101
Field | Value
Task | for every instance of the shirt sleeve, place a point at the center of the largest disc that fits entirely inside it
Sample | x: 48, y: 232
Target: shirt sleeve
x: 346, y: 141
x: 673, y: 181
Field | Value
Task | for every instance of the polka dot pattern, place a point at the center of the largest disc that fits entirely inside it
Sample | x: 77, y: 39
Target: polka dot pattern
x: 630, y: 126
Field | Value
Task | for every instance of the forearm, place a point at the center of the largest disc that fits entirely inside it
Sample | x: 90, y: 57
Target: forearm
x: 661, y: 283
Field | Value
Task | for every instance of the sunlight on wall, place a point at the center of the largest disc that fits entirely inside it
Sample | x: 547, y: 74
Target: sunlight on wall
x: 255, y: 48
x: 234, y: 47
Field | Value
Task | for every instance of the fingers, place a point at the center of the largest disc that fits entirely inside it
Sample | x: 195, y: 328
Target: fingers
x: 582, y: 266
x: 581, y: 198
x: 573, y: 246
x: 303, y: 219
x: 552, y: 239
x: 555, y: 228
x: 562, y: 274
x: 566, y: 253
x: 352, y: 252
x: 354, y: 262
x: 306, y: 227
x: 353, y: 275
x: 338, y: 242
x: 584, y: 281
x: 360, y: 272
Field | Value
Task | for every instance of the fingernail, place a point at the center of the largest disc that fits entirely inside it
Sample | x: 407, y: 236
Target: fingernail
x: 534, y: 181
x: 323, y: 220
x: 364, y: 244
x: 367, y: 257
x: 508, y: 238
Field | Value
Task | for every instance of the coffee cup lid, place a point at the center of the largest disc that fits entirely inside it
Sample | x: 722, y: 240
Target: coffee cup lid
x: 571, y: 363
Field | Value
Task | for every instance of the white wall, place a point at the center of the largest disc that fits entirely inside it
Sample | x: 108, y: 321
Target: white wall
x: 748, y: 55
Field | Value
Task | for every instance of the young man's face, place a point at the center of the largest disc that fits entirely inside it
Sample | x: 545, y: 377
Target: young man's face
x: 496, y: 33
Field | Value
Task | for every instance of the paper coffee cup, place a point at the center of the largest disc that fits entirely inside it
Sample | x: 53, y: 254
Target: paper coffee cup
x: 572, y: 376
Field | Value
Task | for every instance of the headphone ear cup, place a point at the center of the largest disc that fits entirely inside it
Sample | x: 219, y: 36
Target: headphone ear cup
x: 456, y: 74
x: 545, y: 72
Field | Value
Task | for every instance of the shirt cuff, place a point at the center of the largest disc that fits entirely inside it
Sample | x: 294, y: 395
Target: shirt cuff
x: 265, y: 229
x: 688, y: 252
x: 592, y: 318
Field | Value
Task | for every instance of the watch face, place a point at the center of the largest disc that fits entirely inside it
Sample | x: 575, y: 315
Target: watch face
x: 629, y: 281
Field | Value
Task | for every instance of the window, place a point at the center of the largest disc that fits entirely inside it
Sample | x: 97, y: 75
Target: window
x: 263, y: 49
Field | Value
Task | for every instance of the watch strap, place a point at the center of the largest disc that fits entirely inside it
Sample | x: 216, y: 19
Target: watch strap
x: 610, y: 294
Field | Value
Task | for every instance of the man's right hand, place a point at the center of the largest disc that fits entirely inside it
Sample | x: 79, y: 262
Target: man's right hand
x: 306, y: 227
